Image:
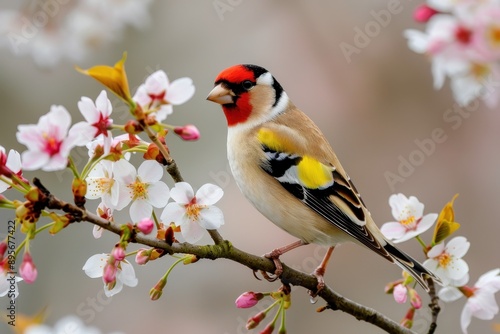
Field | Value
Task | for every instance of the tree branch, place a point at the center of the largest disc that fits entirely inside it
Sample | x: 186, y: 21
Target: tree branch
x: 434, y: 306
x: 223, y: 249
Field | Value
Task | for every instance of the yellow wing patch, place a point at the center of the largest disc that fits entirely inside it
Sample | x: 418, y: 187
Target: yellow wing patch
x: 276, y: 141
x: 313, y: 174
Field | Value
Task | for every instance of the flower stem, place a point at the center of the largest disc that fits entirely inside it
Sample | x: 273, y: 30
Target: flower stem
x: 422, y: 243
x: 72, y: 167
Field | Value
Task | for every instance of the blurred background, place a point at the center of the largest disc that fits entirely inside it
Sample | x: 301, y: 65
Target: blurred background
x: 373, y: 104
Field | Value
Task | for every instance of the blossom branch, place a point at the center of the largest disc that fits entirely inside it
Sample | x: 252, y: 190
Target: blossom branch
x: 224, y: 249
x: 434, y: 306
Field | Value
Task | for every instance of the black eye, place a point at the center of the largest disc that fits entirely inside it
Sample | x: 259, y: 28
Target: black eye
x: 247, y: 84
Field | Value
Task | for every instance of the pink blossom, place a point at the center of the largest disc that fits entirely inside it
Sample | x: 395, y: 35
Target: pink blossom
x: 159, y: 94
x: 48, y: 142
x: 97, y: 120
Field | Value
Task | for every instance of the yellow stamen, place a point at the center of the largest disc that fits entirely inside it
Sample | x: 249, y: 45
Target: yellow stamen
x: 444, y: 260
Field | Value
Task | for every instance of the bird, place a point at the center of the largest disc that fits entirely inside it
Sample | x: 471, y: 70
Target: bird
x: 284, y: 165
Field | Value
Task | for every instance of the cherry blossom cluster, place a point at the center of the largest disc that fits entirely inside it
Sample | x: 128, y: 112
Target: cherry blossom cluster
x: 443, y: 258
x: 53, y: 30
x: 110, y: 177
x: 462, y: 40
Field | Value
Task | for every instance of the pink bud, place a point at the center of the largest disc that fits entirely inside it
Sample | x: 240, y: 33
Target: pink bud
x: 269, y: 329
x: 27, y: 270
x: 408, y: 319
x: 188, y: 132
x: 255, y: 320
x: 142, y: 256
x: 109, y: 273
x: 118, y: 253
x: 3, y: 248
x: 399, y: 293
x: 146, y: 225
x: 248, y: 299
x: 423, y: 13
x: 415, y: 299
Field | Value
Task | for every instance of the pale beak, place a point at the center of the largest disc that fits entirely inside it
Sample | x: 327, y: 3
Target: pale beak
x: 221, y: 95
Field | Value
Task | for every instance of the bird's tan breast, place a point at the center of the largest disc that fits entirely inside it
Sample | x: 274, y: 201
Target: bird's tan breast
x: 270, y: 197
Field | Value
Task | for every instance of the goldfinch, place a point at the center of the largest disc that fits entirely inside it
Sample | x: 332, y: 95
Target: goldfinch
x: 284, y: 165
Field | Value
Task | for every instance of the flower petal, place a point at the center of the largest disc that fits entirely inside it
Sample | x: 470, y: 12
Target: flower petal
x: 393, y: 230
x: 33, y: 160
x: 103, y: 105
x: 180, y: 91
x: 426, y: 222
x: 95, y: 264
x: 97, y: 231
x: 182, y: 193
x: 173, y: 212
x: 158, y: 194
x: 458, y: 246
x: 209, y: 194
x: 88, y: 110
x: 127, y: 274
x: 140, y: 209
x: 465, y: 318
x: 157, y: 82
x: 150, y: 171
x: 449, y: 294
x: 116, y: 289
x: 14, y: 161
x: 211, y: 218
x: 436, y: 250
x: 192, y: 231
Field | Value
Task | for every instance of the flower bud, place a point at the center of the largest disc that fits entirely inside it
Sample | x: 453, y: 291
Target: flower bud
x: 248, y: 299
x: 118, y: 253
x: 79, y: 188
x: 188, y: 259
x: 28, y: 270
x: 109, y: 273
x: 268, y: 330
x: 187, y: 132
x: 400, y: 293
x: 156, y: 292
x: 255, y: 320
x: 3, y: 249
x: 415, y: 299
x: 423, y: 13
x: 146, y: 225
x: 133, y: 127
x: 142, y: 256
x: 408, y: 319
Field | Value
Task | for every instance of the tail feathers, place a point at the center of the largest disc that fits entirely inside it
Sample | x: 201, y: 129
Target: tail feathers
x: 412, y: 266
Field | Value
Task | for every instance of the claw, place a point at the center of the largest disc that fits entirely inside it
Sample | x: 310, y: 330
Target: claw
x: 319, y: 274
x: 265, y: 275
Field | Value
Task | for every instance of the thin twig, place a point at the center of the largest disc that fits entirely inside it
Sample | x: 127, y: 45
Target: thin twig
x: 434, y: 306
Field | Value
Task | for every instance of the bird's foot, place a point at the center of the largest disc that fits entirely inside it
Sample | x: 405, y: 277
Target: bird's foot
x: 319, y: 273
x: 273, y: 255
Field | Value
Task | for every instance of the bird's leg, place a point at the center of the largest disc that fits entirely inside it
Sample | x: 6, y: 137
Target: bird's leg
x: 319, y: 272
x: 275, y: 254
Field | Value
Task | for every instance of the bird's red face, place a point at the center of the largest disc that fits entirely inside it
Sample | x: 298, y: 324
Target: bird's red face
x: 243, y: 91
